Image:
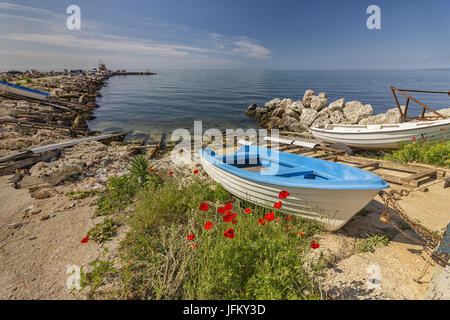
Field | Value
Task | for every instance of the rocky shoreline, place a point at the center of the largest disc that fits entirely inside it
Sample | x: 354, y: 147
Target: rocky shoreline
x: 315, y: 111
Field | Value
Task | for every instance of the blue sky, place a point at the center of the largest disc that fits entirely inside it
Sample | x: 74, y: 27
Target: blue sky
x: 226, y: 34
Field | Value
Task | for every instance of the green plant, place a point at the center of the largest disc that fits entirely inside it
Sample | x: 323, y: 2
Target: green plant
x: 434, y: 153
x: 4, y: 79
x: 117, y: 196
x: 372, y: 241
x: 140, y: 168
x: 97, y: 277
x: 27, y: 80
x: 103, y: 231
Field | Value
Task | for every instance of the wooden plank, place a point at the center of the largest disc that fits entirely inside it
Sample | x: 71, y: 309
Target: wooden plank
x: 27, y: 162
x: 413, y: 179
x: 374, y: 164
x: 42, y: 125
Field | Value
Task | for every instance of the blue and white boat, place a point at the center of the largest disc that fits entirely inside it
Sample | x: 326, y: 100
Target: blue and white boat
x: 23, y: 91
x: 324, y: 191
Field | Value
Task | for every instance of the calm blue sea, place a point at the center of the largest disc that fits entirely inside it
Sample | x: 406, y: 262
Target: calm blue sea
x: 174, y: 99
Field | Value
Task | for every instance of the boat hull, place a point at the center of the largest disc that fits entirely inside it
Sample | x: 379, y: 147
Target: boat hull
x: 383, y: 139
x: 332, y: 208
x: 23, y: 91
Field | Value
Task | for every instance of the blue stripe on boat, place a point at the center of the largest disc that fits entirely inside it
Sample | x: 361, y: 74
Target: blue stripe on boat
x: 292, y: 170
x: 24, y: 88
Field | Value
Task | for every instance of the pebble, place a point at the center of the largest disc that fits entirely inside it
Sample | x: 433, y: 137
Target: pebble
x: 44, y: 217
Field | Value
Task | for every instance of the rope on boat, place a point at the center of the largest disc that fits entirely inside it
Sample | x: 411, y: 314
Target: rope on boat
x: 430, y: 241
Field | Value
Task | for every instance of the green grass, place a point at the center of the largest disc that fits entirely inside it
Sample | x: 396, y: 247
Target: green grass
x: 434, y: 153
x: 103, y: 231
x: 97, y: 277
x: 373, y: 241
x: 261, y: 262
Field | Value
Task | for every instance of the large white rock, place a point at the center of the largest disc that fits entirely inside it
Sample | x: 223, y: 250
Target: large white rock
x: 321, y: 122
x: 307, y: 117
x: 307, y: 98
x: 297, y: 106
x: 392, y: 116
x: 285, y: 103
x: 376, y: 119
x: 337, y: 117
x: 292, y: 113
x: 318, y: 103
x: 355, y: 111
x: 272, y: 104
x: 336, y: 105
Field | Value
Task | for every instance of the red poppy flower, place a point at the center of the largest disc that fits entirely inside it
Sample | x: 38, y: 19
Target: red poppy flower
x: 283, y: 194
x: 248, y: 210
x: 204, y: 207
x: 442, y: 129
x: 195, y: 171
x: 229, y: 233
x: 414, y: 138
x: 277, y: 219
x: 221, y: 210
x: 233, y: 221
x: 191, y: 237
x: 208, y: 225
x: 314, y: 245
x: 227, y: 218
x: 269, y: 216
x: 84, y: 240
x: 194, y: 245
x: 261, y: 221
x: 229, y: 206
x: 277, y: 205
x: 152, y: 169
x: 424, y: 140
x: 171, y: 172
x: 288, y: 218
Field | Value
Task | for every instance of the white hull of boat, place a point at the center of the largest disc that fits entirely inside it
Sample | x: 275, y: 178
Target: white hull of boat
x: 385, y: 136
x: 331, y: 208
x: 25, y: 93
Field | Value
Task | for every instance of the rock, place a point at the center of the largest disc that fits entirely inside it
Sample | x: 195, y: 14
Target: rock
x: 307, y: 98
x: 41, y: 194
x: 80, y: 122
x: 278, y: 112
x: 337, y: 117
x: 355, y: 111
x: 321, y: 122
x: 292, y: 113
x: 29, y: 182
x: 439, y: 285
x: 336, y: 105
x: 83, y: 99
x: 34, y: 211
x: 324, y: 113
x: 55, y: 172
x: 285, y: 103
x: 44, y: 217
x: 260, y: 111
x: 272, y: 104
x: 251, y: 110
x: 323, y: 95
x: 307, y: 117
x: 272, y: 123
x: 392, y: 116
x: 298, y: 127
x: 297, y: 106
x: 318, y: 103
x: 14, y: 225
x: 288, y: 121
x: 444, y: 112
x: 376, y: 119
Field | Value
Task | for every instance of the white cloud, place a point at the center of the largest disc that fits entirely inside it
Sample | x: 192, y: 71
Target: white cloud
x: 42, y: 30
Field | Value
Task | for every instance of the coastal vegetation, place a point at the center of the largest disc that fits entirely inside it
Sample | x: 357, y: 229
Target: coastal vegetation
x: 188, y: 238
x: 434, y: 153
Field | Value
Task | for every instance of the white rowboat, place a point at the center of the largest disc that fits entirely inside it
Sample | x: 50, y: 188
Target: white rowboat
x: 383, y: 136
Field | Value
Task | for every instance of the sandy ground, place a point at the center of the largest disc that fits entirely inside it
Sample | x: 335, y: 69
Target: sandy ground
x: 36, y: 254
x: 399, y: 270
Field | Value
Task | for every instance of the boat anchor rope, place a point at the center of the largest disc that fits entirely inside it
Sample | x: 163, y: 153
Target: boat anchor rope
x: 430, y: 242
